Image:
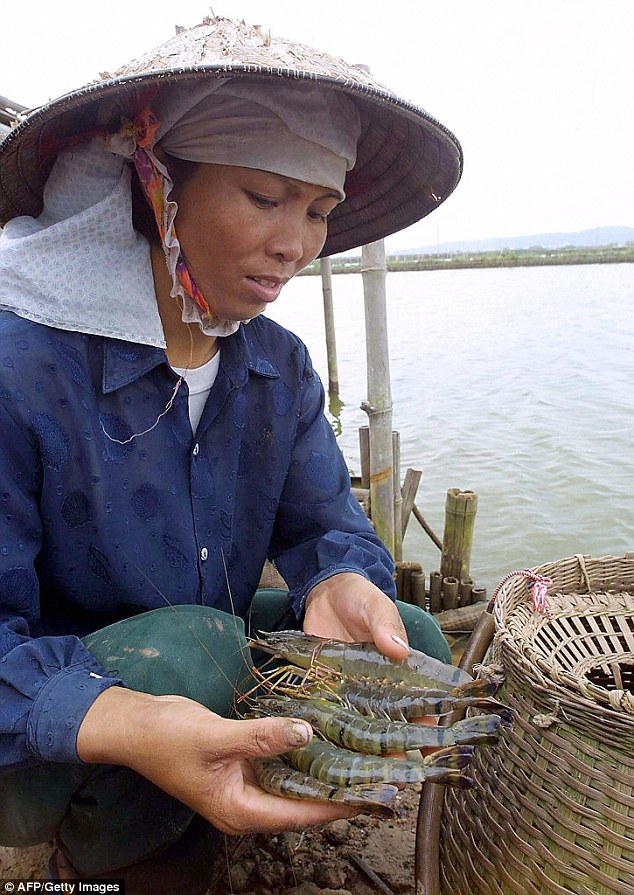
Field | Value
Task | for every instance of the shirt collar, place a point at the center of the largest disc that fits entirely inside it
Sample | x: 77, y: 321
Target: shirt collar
x: 240, y: 354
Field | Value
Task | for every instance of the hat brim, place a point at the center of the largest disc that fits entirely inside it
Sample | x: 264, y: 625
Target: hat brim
x: 407, y: 161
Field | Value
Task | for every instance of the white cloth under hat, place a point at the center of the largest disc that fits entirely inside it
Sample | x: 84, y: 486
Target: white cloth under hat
x: 80, y: 265
x: 302, y: 131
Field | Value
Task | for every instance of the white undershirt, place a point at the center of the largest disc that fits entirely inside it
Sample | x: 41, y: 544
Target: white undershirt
x: 199, y: 382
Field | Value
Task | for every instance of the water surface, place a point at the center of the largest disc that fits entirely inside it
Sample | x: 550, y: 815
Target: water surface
x: 515, y: 383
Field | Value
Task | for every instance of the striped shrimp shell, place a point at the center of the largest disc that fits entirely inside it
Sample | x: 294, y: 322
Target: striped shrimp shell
x: 342, y: 768
x: 276, y: 777
x: 378, y: 736
x: 400, y: 703
x: 360, y: 660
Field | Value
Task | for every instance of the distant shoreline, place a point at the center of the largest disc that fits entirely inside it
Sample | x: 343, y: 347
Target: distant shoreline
x: 536, y: 257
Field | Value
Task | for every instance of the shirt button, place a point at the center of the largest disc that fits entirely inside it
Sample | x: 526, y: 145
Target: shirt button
x: 196, y: 449
x: 204, y: 554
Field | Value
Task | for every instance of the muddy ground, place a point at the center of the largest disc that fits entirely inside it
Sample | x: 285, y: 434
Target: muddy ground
x: 323, y: 861
x: 327, y: 860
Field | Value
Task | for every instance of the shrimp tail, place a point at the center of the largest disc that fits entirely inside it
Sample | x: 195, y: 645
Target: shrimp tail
x: 504, y: 712
x: 449, y: 777
x: 455, y: 757
x: 480, y: 687
x: 479, y: 729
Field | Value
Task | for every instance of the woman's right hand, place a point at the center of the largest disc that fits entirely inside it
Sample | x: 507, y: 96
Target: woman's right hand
x: 200, y: 758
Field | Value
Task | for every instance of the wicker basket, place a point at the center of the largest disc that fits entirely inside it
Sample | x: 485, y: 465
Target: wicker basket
x: 552, y: 808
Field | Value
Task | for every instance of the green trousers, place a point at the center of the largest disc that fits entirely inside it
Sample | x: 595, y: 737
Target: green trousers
x: 106, y: 817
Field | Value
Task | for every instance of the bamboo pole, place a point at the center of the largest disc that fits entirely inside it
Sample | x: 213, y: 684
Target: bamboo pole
x: 335, y: 405
x: 398, y: 497
x: 427, y: 856
x: 417, y: 589
x: 460, y: 620
x: 364, y: 455
x: 426, y: 527
x: 329, y: 322
x: 379, y: 403
x: 460, y: 510
x: 450, y: 593
x: 405, y: 572
x: 465, y: 592
x: 435, y: 592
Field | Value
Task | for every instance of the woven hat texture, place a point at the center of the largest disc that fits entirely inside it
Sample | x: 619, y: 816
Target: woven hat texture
x: 407, y: 162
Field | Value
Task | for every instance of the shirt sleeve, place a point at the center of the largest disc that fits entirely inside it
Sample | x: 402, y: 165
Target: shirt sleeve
x: 47, y: 684
x: 321, y: 529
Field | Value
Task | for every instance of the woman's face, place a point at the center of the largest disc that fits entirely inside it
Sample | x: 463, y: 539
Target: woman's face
x: 244, y: 233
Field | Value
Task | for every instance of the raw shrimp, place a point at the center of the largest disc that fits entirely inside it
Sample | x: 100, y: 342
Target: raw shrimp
x: 379, y: 736
x: 341, y: 767
x: 360, y: 660
x: 401, y: 703
x: 276, y: 777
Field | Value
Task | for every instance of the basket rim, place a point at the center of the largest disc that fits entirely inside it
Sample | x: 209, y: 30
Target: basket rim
x: 514, y: 599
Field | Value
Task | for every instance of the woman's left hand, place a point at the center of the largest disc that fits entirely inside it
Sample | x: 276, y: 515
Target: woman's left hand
x: 349, y: 607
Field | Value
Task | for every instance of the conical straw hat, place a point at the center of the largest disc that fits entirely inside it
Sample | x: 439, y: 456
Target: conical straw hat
x: 407, y: 162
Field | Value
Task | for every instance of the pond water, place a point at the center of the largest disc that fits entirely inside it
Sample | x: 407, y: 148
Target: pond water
x: 516, y: 383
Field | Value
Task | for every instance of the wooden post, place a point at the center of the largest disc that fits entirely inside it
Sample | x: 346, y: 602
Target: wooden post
x: 435, y: 592
x: 465, y: 592
x: 329, y: 322
x: 379, y: 403
x: 409, y: 489
x: 460, y: 510
x: 398, y: 497
x: 364, y: 455
x: 450, y: 593
x: 417, y: 589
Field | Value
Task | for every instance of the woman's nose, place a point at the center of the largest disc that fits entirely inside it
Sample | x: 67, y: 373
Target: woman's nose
x: 287, y: 242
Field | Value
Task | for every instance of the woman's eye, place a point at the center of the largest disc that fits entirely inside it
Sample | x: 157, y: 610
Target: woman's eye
x: 320, y: 216
x: 261, y: 202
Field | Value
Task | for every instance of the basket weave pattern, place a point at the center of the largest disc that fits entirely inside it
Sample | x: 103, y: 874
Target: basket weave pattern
x: 552, y: 808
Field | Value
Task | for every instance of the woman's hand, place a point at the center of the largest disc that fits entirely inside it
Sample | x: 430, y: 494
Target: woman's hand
x: 349, y: 607
x: 200, y: 758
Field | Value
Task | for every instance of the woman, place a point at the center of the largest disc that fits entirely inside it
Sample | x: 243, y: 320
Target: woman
x: 161, y: 439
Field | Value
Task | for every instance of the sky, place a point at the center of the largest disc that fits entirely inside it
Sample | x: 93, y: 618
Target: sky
x: 538, y: 92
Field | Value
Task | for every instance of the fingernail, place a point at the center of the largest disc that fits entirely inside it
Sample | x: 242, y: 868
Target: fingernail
x: 297, y: 735
x: 400, y: 641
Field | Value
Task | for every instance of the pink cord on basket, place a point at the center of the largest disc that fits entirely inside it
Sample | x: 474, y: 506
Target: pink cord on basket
x: 539, y: 589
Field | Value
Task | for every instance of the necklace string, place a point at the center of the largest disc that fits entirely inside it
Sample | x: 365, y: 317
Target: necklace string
x: 170, y: 401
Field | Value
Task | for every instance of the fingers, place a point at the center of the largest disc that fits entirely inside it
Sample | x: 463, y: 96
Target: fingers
x: 349, y: 607
x: 263, y: 812
x: 387, y: 630
x: 260, y: 737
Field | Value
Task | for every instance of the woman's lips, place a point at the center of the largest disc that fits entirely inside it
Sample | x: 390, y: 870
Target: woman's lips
x: 266, y: 289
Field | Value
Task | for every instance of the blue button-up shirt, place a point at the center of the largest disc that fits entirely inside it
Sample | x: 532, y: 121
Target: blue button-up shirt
x: 95, y: 527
